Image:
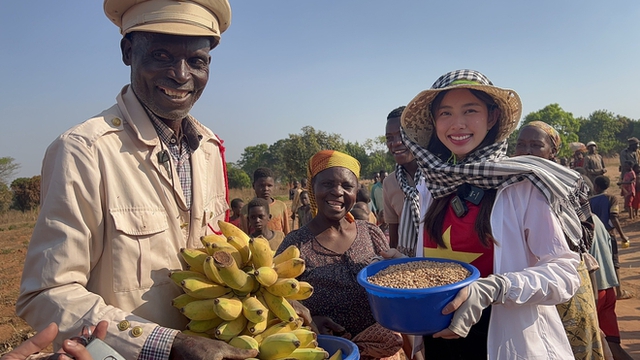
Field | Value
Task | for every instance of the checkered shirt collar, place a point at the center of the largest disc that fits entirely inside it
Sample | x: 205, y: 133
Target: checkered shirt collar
x: 189, y: 132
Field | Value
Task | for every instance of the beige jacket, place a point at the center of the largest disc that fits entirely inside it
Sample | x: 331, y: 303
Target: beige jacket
x: 110, y: 230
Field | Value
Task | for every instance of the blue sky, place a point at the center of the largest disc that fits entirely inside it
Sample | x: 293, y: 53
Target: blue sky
x: 340, y: 66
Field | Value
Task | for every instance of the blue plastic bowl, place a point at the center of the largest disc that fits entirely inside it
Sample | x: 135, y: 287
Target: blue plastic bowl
x: 331, y: 344
x: 412, y: 311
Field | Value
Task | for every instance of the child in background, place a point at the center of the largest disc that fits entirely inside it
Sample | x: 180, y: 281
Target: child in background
x: 304, y: 210
x: 259, y: 216
x: 628, y: 187
x: 263, y: 184
x: 236, y: 207
x: 360, y: 211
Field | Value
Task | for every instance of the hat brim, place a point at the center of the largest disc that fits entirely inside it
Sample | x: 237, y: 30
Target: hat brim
x: 418, y: 123
x: 175, y: 28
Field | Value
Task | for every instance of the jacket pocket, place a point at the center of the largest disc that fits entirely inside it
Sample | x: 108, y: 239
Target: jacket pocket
x: 214, y: 210
x: 139, y: 248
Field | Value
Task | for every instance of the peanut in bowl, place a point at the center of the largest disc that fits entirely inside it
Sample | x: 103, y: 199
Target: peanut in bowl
x: 418, y: 310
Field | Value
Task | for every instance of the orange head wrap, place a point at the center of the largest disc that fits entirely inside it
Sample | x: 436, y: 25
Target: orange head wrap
x: 323, y: 160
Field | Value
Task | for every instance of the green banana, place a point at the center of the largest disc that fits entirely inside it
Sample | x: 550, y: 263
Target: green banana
x: 305, y: 291
x: 279, y: 306
x: 230, y: 329
x: 181, y: 300
x: 199, y: 310
x: 244, y: 342
x: 289, y: 253
x: 203, y: 289
x: 233, y: 277
x: 266, y: 275
x: 194, y: 258
x: 261, y: 253
x: 227, y: 309
x: 284, y: 287
x: 278, y: 346
x: 291, y: 268
x: 201, y: 326
x: 254, y: 310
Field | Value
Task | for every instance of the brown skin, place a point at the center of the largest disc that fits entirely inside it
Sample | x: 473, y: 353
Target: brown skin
x: 258, y: 219
x: 162, y: 63
x: 534, y: 141
x: 45, y: 337
x: 403, y: 157
x: 335, y: 193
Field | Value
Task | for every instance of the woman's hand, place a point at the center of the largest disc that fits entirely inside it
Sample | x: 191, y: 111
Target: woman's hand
x: 326, y: 326
x: 392, y: 254
x: 461, y: 297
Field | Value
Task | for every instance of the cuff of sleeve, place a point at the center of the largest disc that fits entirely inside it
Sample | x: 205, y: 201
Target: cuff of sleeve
x: 158, y: 344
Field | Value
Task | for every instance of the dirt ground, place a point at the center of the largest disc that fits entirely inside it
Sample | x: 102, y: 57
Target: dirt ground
x: 14, y: 240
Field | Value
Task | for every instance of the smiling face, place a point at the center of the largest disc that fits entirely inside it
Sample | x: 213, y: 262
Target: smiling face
x: 534, y: 141
x: 335, y: 192
x: 462, y: 121
x: 168, y: 72
x: 400, y: 153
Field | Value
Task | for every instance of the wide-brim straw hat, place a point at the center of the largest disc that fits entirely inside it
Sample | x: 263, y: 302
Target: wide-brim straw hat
x: 417, y: 121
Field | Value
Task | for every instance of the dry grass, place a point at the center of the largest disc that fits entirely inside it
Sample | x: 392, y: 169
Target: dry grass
x: 14, y: 218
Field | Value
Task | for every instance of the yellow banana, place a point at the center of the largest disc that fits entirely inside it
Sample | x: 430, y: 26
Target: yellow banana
x: 226, y: 247
x: 277, y: 328
x: 254, y: 310
x: 230, y: 230
x: 242, y: 246
x: 337, y: 355
x: 178, y: 275
x: 181, y: 300
x: 284, y: 287
x: 199, y: 310
x: 227, y: 309
x: 279, y: 306
x: 291, y: 268
x: 257, y: 328
x: 209, y: 240
x: 211, y: 271
x: 194, y: 258
x: 308, y: 354
x: 307, y: 337
x: 244, y: 342
x: 193, y: 333
x: 289, y: 253
x: 278, y: 346
x: 203, y: 289
x: 202, y: 326
x: 266, y: 275
x: 305, y: 291
x: 233, y: 277
x: 230, y: 329
x: 261, y: 253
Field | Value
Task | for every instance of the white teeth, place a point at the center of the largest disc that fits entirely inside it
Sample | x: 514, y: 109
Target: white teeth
x: 460, y: 138
x: 176, y: 94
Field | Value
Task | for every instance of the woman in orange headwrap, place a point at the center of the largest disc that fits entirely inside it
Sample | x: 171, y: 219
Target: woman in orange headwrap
x: 335, y: 248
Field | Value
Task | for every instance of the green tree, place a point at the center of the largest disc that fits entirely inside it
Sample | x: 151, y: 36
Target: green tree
x: 238, y: 179
x: 26, y: 193
x: 6, y: 198
x: 379, y: 157
x: 8, y: 168
x: 603, y: 126
x: 563, y: 121
x: 254, y: 157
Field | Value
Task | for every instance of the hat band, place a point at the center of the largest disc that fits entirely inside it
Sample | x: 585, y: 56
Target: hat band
x: 465, y: 82
x: 149, y: 12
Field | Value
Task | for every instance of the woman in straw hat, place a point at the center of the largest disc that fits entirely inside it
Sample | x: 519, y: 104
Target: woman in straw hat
x: 505, y: 216
x: 335, y: 248
x: 579, y: 315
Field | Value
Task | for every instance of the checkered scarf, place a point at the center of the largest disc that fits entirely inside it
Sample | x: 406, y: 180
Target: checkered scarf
x: 490, y: 168
x: 410, y: 216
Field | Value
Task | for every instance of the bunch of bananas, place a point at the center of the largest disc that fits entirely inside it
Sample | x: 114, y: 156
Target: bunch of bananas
x: 237, y: 291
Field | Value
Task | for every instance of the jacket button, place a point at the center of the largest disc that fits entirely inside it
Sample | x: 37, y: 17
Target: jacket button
x: 123, y: 325
x: 116, y: 122
x: 136, y: 331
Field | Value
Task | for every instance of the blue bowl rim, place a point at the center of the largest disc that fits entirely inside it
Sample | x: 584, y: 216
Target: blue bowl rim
x: 362, y: 277
x: 352, y: 346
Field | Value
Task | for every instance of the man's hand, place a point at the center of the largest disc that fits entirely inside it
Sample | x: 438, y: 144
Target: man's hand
x: 326, y: 326
x: 198, y: 348
x: 45, y: 337
x: 304, y: 313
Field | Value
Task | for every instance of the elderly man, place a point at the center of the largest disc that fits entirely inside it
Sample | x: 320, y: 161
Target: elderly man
x: 124, y: 191
x: 593, y: 162
x: 630, y: 153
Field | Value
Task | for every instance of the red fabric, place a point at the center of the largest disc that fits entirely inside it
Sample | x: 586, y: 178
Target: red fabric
x: 607, y: 313
x: 465, y: 243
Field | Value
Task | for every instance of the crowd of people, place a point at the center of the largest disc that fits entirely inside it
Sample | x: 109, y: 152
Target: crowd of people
x: 124, y: 191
